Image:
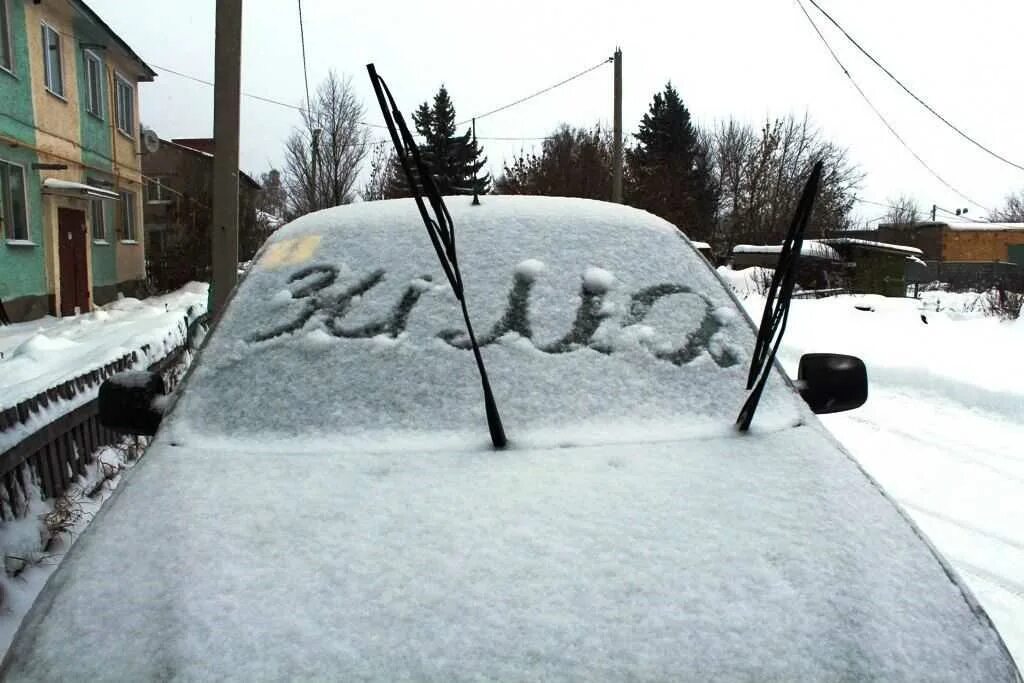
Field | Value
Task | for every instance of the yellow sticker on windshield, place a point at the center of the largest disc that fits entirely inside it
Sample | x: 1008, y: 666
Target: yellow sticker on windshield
x: 291, y: 252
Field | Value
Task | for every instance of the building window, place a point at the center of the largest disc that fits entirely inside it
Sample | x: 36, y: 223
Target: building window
x: 6, y: 42
x: 53, y: 68
x: 157, y: 191
x: 98, y: 213
x: 125, y: 106
x: 94, y: 84
x: 13, y: 202
x: 127, y: 216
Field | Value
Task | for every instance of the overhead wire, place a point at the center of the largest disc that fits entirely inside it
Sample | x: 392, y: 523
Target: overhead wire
x: 538, y: 93
x: 907, y: 90
x: 879, y: 114
x: 305, y: 67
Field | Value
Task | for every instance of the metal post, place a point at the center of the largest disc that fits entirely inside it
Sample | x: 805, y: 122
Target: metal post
x: 226, y: 101
x: 617, y: 141
x: 315, y: 194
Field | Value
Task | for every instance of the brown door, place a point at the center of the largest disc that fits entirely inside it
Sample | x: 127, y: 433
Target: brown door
x: 74, y: 274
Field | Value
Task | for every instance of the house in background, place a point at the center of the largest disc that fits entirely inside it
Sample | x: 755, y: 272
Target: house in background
x: 178, y: 212
x: 966, y: 255
x: 70, y: 178
x: 843, y: 264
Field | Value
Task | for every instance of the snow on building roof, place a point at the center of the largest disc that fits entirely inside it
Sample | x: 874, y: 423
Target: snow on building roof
x: 68, y: 187
x: 869, y: 244
x: 270, y: 219
x: 700, y: 245
x: 811, y: 248
x: 982, y: 225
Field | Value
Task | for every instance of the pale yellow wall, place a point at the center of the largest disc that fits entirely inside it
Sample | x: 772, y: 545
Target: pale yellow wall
x: 56, y: 119
x: 58, y: 140
x: 127, y: 160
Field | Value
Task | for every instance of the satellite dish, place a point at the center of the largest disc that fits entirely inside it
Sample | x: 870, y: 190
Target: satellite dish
x: 150, y: 140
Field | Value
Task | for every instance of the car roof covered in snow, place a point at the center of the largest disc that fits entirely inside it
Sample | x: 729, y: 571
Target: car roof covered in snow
x: 674, y: 548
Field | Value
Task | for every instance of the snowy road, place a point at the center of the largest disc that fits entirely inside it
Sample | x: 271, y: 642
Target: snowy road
x: 960, y: 474
x: 943, y: 428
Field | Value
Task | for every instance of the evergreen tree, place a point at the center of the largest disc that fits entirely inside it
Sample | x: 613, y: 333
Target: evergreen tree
x: 669, y: 171
x: 453, y: 160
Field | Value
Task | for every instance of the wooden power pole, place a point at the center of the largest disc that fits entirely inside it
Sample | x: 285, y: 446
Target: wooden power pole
x: 617, y: 141
x: 226, y: 103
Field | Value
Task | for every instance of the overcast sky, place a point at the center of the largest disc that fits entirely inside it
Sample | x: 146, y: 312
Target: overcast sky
x: 743, y: 58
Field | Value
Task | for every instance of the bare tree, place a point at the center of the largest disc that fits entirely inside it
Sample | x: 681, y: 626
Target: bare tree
x: 903, y: 211
x: 761, y: 172
x: 323, y: 157
x: 383, y: 166
x: 1012, y: 211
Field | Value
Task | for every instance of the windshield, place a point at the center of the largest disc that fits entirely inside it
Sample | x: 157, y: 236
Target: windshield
x: 588, y: 314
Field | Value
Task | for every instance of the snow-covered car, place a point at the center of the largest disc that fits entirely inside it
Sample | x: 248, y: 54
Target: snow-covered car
x: 322, y: 500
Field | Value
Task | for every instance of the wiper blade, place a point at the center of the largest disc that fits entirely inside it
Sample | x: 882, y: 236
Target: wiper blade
x: 776, y: 306
x: 440, y: 228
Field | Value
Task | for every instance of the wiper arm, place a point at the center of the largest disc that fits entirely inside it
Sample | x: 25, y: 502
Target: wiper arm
x: 440, y: 228
x: 776, y: 306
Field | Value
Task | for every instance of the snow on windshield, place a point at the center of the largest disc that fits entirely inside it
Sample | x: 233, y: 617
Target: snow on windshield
x: 588, y: 313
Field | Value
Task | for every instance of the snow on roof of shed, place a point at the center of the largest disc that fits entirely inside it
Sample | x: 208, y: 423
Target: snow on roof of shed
x: 700, y: 245
x: 878, y: 246
x: 811, y: 248
x: 981, y: 225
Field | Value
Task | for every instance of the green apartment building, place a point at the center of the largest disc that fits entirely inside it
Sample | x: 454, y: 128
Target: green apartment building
x: 70, y: 171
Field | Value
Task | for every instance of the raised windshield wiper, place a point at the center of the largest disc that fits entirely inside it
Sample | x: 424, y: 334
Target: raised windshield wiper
x: 776, y: 306
x: 440, y: 229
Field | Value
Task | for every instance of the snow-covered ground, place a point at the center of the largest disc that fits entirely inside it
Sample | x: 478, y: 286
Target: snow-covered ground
x: 43, y: 353
x: 943, y: 427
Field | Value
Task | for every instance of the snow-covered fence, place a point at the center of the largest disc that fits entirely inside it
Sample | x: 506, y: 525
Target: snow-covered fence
x: 57, y: 451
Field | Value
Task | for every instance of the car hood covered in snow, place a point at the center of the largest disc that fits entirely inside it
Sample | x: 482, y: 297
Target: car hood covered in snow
x: 323, y: 501
x: 767, y: 557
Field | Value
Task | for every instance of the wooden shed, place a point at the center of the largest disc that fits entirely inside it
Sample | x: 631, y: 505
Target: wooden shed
x: 996, y: 242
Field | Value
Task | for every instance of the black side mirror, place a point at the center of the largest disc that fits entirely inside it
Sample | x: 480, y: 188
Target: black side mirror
x: 126, y: 402
x: 832, y: 382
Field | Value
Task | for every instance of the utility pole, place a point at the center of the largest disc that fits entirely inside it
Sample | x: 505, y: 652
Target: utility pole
x: 314, y: 161
x: 933, y: 212
x: 617, y: 132
x: 226, y: 100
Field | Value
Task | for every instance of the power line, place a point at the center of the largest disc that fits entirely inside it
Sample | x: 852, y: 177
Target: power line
x: 244, y: 94
x: 305, y: 69
x: 879, y: 113
x: 538, y: 93
x: 300, y: 109
x: 907, y: 90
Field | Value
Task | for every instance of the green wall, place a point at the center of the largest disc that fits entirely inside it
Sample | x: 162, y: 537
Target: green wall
x: 16, y: 115
x: 22, y: 270
x: 95, y: 131
x: 96, y: 148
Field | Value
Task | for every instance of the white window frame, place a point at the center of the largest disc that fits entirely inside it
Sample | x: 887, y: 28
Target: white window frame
x: 5, y: 27
x: 129, y: 219
x: 5, y: 206
x: 120, y: 82
x: 47, y: 68
x: 99, y: 236
x: 163, y: 192
x: 93, y: 100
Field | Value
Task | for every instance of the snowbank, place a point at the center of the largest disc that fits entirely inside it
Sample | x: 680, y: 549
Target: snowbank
x: 40, y: 354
